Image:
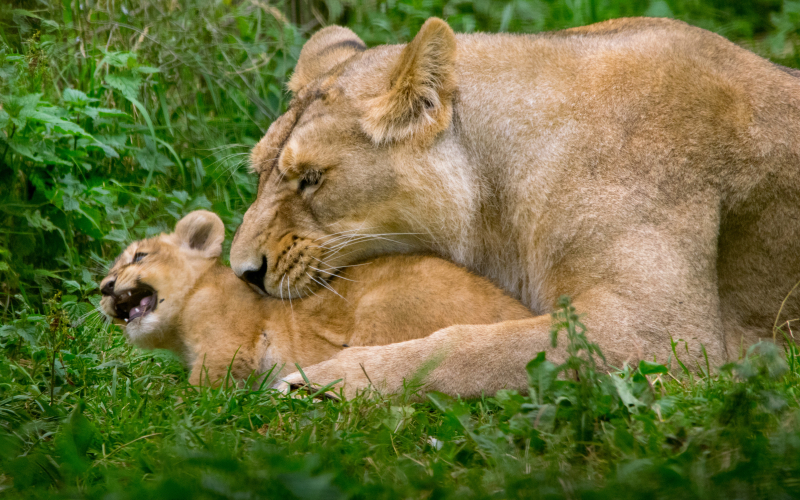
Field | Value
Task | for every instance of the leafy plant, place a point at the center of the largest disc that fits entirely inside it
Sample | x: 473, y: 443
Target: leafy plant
x: 126, y: 138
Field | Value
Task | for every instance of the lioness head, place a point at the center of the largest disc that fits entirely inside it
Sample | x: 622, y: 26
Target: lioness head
x: 145, y: 288
x: 350, y: 170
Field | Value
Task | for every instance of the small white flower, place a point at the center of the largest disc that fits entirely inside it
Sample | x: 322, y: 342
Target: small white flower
x: 435, y: 443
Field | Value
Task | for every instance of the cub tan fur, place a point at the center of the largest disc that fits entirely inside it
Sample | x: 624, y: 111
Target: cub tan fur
x: 646, y: 168
x: 213, y: 320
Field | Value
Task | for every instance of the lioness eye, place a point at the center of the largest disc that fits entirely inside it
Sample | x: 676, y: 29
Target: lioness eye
x: 310, y: 179
x: 138, y: 256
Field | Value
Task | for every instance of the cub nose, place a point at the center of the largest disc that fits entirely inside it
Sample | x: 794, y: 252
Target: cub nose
x: 257, y: 277
x: 108, y: 288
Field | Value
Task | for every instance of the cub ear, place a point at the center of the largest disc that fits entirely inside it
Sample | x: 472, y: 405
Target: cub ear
x: 203, y: 231
x: 422, y: 82
x: 322, y: 52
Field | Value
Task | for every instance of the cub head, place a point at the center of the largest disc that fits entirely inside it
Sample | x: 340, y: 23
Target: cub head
x: 345, y: 173
x: 148, y: 283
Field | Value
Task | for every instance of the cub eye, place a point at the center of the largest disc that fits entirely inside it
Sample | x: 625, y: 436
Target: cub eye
x: 138, y: 256
x: 310, y: 180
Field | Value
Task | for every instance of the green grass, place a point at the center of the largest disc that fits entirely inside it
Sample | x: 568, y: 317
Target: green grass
x: 119, y: 117
x: 126, y: 422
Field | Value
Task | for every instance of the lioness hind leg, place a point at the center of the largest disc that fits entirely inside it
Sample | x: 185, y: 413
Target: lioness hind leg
x: 758, y: 266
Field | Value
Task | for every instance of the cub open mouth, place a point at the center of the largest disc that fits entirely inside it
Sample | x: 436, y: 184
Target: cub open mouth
x: 136, y: 303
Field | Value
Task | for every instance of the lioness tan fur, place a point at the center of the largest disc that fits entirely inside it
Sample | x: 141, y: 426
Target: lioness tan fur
x: 646, y: 168
x: 180, y: 297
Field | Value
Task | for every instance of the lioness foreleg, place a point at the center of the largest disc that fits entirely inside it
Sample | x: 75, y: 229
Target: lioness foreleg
x: 471, y: 360
x: 464, y: 359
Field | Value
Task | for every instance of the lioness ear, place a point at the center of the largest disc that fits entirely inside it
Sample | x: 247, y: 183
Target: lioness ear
x: 201, y: 230
x: 327, y: 48
x: 421, y: 86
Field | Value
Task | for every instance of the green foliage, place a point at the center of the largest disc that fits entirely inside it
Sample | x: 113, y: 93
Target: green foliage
x: 127, y: 423
x: 112, y: 127
x: 117, y: 118
x: 396, y: 21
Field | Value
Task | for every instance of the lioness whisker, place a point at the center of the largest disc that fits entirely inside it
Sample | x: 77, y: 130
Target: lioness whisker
x: 353, y: 240
x: 344, y: 234
x: 343, y: 255
x: 330, y: 267
x: 347, y: 236
x: 309, y: 290
x: 341, y: 235
x: 325, y: 264
x: 289, y: 293
x: 352, y: 265
x: 324, y: 284
x: 346, y: 231
x: 332, y: 274
x: 365, y: 238
x: 360, y: 236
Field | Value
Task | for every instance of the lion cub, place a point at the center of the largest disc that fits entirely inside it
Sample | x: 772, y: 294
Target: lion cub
x: 172, y: 292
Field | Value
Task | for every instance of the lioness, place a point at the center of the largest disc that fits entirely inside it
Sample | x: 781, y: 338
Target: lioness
x: 646, y: 168
x: 172, y: 292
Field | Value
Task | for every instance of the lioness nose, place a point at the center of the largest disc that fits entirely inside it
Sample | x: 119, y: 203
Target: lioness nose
x: 108, y: 288
x: 257, y: 277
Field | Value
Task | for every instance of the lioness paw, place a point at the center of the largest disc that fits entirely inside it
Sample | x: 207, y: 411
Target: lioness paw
x: 283, y: 386
x: 295, y: 381
x: 336, y: 374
